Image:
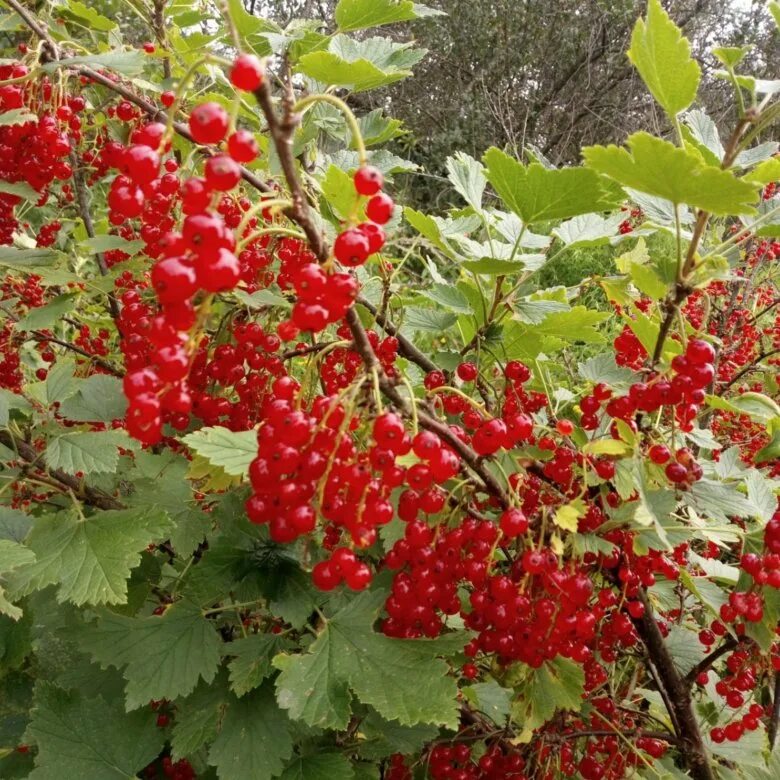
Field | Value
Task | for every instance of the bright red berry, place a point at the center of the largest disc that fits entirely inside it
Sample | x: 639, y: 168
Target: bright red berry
x: 247, y: 73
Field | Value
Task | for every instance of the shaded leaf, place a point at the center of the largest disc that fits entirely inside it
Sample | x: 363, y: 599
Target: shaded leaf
x: 251, y: 662
x: 90, y: 452
x: 401, y: 679
x: 254, y: 741
x: 163, y: 656
x: 90, y: 560
x: 79, y: 737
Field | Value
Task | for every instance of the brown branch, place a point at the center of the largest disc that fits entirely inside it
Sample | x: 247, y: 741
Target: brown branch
x: 678, y: 695
x: 156, y: 113
x: 35, y: 26
x: 775, y: 719
x: 282, y: 131
x: 405, y: 347
x: 41, y: 337
x: 82, y: 200
x: 706, y: 663
x: 753, y: 366
x: 31, y: 456
x: 110, y: 367
x: 158, y: 23
x: 309, y: 350
x: 756, y: 317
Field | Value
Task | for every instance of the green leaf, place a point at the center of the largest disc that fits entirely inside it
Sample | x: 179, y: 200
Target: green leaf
x: 91, y: 452
x: 20, y: 189
x: 731, y: 56
x: 566, y: 516
x: 385, y: 737
x: 310, y: 688
x: 771, y: 450
x: 377, y: 129
x: 25, y: 258
x: 448, y: 296
x: 161, y: 483
x: 107, y: 243
x: 260, y: 299
x: 385, y: 161
x: 90, y: 560
x: 765, y: 172
x: 360, y: 14
x: 762, y: 153
x: 400, y: 679
x: 662, y: 55
x: 685, y: 648
x: 760, y: 495
x: 60, y: 382
x: 660, y: 168
x: 46, y: 316
x: 468, y: 178
x: 293, y: 597
x: 705, y: 131
x: 14, y: 524
x: 606, y: 447
x: 646, y: 280
x: 98, y: 398
x: 254, y: 742
x: 659, y: 211
x: 758, y: 406
x: 12, y: 556
x: 603, y: 368
x: 431, y: 320
x: 232, y: 451
x: 198, y: 717
x: 490, y: 266
x: 323, y: 766
x: 719, y: 500
x: 535, y: 312
x: 94, y: 21
x: 427, y: 227
x: 129, y: 63
x: 163, y: 657
x: 538, y: 194
x: 748, y: 752
x: 16, y: 116
x: 339, y: 192
x: 492, y: 699
x: 88, y: 738
x: 251, y: 662
x: 248, y: 24
x: 360, y: 65
x: 589, y: 230
x: 555, y: 685
x: 9, y: 401
x: 774, y: 9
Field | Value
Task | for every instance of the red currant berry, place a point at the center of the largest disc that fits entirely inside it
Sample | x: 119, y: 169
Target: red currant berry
x: 247, y: 73
x: 208, y: 123
x: 368, y: 180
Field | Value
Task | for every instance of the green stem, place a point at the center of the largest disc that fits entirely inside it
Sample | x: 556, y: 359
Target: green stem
x: 226, y: 607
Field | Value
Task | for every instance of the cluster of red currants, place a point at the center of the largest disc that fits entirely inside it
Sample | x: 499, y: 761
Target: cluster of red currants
x: 323, y: 294
x: 35, y: 152
x: 199, y: 258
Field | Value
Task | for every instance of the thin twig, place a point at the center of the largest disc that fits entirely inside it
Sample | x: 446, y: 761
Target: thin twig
x: 30, y: 455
